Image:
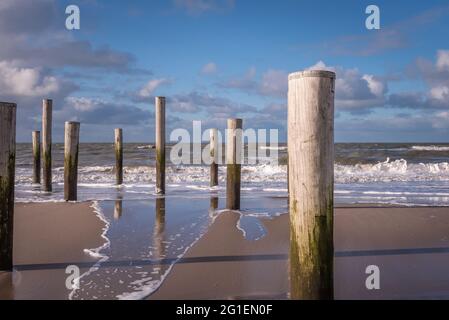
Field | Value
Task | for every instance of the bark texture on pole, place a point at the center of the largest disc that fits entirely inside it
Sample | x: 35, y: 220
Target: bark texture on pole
x: 47, y: 107
x: 233, y: 160
x: 7, y: 175
x: 214, y: 157
x: 160, y: 145
x: 311, y: 183
x: 118, y: 155
x: 71, y: 146
x: 36, y: 157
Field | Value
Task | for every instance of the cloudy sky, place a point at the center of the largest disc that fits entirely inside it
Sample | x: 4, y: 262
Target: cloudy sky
x: 215, y: 59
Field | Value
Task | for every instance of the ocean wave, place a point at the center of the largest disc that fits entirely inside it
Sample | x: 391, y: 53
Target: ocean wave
x: 266, y: 174
x: 389, y: 171
x: 430, y: 148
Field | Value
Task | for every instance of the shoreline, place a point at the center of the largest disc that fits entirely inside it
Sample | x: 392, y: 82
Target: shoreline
x: 407, y: 243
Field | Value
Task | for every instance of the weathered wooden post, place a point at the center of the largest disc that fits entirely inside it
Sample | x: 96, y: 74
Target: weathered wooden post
x: 47, y: 106
x: 311, y: 183
x: 7, y: 175
x: 160, y: 145
x: 214, y: 157
x: 71, y: 142
x: 36, y: 157
x: 119, y: 155
x: 233, y: 161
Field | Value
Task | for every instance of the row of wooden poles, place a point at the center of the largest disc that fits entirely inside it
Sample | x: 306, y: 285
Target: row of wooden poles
x: 71, y: 149
x: 310, y: 175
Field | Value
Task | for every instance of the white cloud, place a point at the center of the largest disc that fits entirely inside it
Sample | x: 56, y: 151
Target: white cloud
x: 30, y: 82
x: 148, y: 89
x: 440, y: 93
x: 355, y: 91
x: 84, y: 104
x: 320, y: 65
x: 442, y: 60
x: 209, y: 68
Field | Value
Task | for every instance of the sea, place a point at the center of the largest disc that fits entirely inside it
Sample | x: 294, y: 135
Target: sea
x: 146, y: 234
x: 383, y: 173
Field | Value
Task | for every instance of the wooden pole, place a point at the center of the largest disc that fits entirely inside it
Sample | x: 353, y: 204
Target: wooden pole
x: 71, y: 146
x: 160, y: 145
x: 311, y: 183
x: 119, y: 155
x: 214, y: 157
x: 36, y: 157
x: 7, y: 176
x: 233, y: 161
x: 47, y: 106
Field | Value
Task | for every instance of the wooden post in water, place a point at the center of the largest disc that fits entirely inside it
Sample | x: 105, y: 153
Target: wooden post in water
x: 160, y: 145
x: 7, y: 175
x: 119, y: 155
x: 311, y: 183
x: 214, y: 157
x: 71, y: 142
x: 36, y: 157
x: 47, y: 106
x: 233, y: 161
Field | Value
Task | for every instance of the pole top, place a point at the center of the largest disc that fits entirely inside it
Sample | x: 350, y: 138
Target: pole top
x: 8, y: 104
x: 72, y: 122
x: 312, y: 73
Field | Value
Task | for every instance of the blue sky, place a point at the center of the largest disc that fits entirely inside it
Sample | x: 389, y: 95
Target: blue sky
x: 216, y: 59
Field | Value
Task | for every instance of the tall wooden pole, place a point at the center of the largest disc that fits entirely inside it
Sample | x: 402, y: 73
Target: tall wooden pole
x: 214, y: 157
x: 118, y: 155
x: 71, y: 146
x: 311, y: 183
x: 7, y: 175
x: 36, y: 157
x: 160, y: 145
x: 47, y: 106
x: 233, y: 161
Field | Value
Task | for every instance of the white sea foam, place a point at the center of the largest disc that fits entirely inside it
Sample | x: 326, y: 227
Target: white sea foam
x: 430, y: 148
x: 96, y: 252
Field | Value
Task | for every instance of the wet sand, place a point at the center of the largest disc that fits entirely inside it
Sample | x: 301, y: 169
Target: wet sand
x: 409, y: 245
x: 46, y: 236
x: 226, y: 266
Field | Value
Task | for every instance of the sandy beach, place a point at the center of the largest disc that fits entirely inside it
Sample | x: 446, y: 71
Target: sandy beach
x: 46, y: 236
x: 409, y: 245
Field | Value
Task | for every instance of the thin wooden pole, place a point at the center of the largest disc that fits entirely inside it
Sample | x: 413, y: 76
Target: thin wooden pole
x: 214, y: 157
x: 71, y: 146
x: 311, y: 183
x: 47, y: 107
x: 119, y: 155
x: 36, y: 157
x: 7, y: 175
x: 233, y: 161
x: 160, y: 145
